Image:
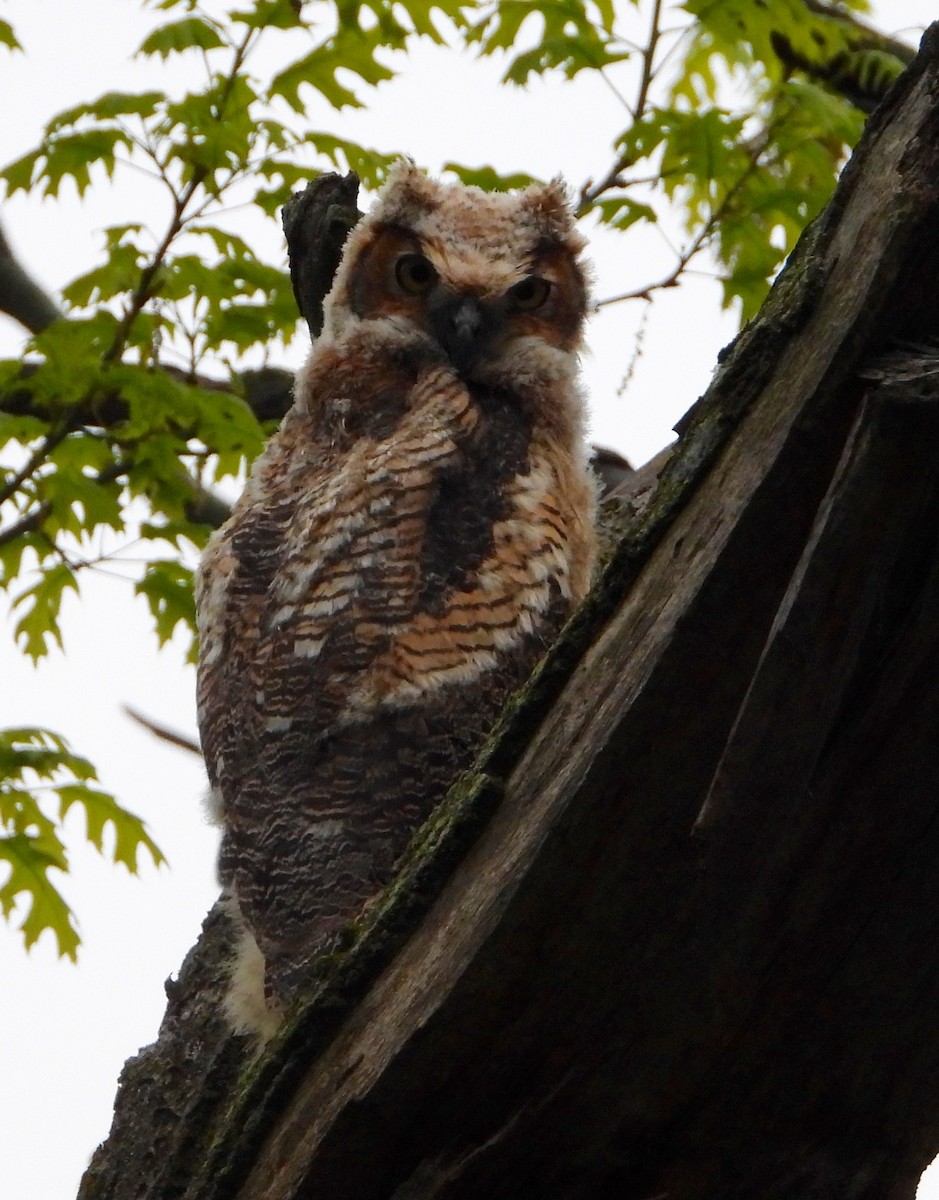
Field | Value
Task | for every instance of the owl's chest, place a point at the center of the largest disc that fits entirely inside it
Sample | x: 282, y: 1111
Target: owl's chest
x: 330, y: 511
x: 472, y: 498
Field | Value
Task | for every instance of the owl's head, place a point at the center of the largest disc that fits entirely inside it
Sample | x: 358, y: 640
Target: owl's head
x: 485, y: 279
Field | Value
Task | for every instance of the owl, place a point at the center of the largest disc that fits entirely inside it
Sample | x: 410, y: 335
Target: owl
x: 412, y: 539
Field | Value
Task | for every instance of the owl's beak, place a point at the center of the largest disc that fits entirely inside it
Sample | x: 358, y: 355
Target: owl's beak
x: 462, y: 329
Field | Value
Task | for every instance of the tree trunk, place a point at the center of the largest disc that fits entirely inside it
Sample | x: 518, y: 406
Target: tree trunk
x: 675, y: 936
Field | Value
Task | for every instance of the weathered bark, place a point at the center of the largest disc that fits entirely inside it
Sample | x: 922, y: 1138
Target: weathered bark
x: 675, y: 934
x: 316, y: 223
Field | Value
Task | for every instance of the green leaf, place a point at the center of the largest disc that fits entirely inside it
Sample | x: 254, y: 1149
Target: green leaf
x: 29, y: 876
x: 35, y: 765
x: 23, y: 429
x: 241, y: 325
x: 8, y: 37
x: 863, y: 74
x: 564, y: 54
x: 575, y: 36
x: 410, y: 16
x: 39, y: 624
x: 703, y: 151
x: 151, y: 398
x: 489, y: 179
x: 119, y: 273
x: 223, y: 422
x: 164, y: 415
x: 243, y: 321
x: 421, y: 17
x: 168, y: 589
x: 14, y: 551
x: 213, y: 131
x: 741, y: 30
x: 371, y: 166
x: 270, y: 14
x: 350, y: 49
x: 71, y: 156
x: 191, y: 33
x: 178, y: 534
x: 19, y: 174
x: 619, y: 212
x: 81, y: 499
x: 500, y: 28
x: 108, y: 107
x: 26, y: 749
x: 189, y: 275
x: 224, y: 241
x: 70, y: 371
x: 645, y: 136
x: 102, y: 812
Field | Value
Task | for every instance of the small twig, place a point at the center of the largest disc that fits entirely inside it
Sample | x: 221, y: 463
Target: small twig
x: 26, y: 524
x: 615, y: 90
x: 644, y: 293
x: 165, y: 735
x: 612, y: 178
x: 648, y: 62
x: 36, y: 459
x: 638, y: 343
x: 136, y: 166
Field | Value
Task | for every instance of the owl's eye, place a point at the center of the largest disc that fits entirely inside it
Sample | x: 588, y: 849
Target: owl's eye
x: 529, y: 293
x: 415, y: 274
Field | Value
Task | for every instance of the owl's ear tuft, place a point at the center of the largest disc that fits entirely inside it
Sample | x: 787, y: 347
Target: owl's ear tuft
x: 549, y: 206
x: 407, y: 192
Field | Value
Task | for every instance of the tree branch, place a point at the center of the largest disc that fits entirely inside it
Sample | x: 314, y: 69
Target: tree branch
x: 316, y: 223
x: 21, y: 297
x: 864, y: 35
x: 28, y: 523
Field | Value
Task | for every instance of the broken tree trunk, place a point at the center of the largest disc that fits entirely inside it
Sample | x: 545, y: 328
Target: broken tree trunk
x: 675, y: 935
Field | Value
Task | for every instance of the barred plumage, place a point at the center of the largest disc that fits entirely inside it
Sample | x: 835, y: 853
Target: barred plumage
x: 412, y: 539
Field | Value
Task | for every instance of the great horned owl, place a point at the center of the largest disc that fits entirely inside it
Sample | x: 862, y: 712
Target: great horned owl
x: 411, y: 540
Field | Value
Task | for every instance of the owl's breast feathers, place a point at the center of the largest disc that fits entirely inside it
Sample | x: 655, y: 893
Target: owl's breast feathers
x: 405, y: 565
x: 364, y: 614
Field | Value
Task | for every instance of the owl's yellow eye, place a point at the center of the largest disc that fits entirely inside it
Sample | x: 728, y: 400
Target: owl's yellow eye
x: 529, y: 293
x: 415, y: 274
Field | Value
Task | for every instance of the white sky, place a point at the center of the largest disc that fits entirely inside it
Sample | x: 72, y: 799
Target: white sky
x: 67, y: 1029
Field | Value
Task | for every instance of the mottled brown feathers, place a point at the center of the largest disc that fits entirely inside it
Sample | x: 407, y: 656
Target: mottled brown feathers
x: 412, y: 539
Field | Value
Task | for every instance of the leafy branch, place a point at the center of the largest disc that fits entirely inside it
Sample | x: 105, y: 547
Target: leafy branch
x: 41, y: 780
